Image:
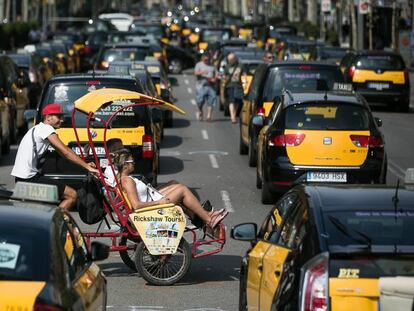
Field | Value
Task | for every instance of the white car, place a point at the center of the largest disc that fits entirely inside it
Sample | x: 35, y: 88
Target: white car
x: 121, y: 21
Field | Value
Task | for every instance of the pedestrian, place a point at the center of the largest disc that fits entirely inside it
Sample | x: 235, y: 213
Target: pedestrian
x: 205, y: 91
x: 33, y: 147
x: 268, y: 57
x: 233, y: 86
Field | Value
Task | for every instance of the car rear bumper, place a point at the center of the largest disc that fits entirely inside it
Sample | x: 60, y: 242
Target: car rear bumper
x: 282, y: 175
x: 384, y: 97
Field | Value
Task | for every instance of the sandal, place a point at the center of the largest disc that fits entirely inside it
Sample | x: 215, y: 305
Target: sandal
x: 216, y: 219
x: 200, y: 116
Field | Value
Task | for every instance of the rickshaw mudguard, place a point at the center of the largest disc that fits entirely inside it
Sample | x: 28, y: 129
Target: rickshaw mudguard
x: 93, y: 101
x: 160, y: 227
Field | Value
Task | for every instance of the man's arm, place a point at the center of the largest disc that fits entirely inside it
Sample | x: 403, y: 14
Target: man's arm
x: 66, y: 152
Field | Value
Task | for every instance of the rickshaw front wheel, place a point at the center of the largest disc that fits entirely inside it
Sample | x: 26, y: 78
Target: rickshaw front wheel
x: 128, y: 255
x: 166, y: 269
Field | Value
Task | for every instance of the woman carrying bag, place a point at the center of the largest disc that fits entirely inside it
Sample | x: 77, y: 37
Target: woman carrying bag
x: 234, y: 87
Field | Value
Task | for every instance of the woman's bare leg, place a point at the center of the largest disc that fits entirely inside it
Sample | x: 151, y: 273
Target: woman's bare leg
x: 178, y: 193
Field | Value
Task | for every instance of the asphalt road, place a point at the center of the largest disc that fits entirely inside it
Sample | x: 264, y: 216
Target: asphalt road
x: 205, y: 157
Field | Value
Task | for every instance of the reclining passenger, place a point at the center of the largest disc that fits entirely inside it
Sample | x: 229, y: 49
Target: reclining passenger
x: 139, y: 194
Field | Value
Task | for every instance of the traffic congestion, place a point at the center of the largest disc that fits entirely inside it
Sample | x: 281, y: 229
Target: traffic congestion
x: 174, y: 157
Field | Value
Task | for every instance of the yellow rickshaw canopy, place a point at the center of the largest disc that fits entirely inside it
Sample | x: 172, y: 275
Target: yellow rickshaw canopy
x: 94, y: 100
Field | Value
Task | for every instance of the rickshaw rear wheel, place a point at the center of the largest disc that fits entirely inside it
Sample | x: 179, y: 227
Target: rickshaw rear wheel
x: 128, y: 256
x: 163, y: 270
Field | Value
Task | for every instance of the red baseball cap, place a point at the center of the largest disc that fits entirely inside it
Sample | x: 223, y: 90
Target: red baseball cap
x: 52, y: 109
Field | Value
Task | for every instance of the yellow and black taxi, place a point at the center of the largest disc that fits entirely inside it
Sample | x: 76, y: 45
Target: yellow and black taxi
x: 256, y: 32
x: 381, y: 77
x: 268, y: 82
x: 45, y: 263
x: 312, y: 137
x: 276, y: 32
x: 331, y: 248
x: 133, y: 126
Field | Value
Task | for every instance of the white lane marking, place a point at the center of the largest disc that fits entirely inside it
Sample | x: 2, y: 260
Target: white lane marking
x: 213, y: 161
x: 204, y: 134
x: 169, y: 153
x: 186, y: 81
x: 223, y: 153
x: 193, y: 102
x: 226, y: 201
x: 184, y: 75
x: 190, y: 90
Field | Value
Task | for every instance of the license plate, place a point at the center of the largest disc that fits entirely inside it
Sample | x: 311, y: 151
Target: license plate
x: 378, y: 86
x: 326, y: 176
x: 99, y: 150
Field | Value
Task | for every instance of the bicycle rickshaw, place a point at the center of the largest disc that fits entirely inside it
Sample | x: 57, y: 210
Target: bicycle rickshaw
x: 153, y: 234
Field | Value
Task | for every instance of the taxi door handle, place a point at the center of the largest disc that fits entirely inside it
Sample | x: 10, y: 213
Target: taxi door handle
x: 277, y: 273
x: 260, y: 268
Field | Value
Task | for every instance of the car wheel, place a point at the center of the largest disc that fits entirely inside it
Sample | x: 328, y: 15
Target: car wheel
x: 176, y: 66
x: 403, y: 106
x: 242, y: 296
x: 258, y: 179
x: 5, y: 147
x: 242, y: 147
x: 168, y: 122
x: 128, y: 256
x: 252, y: 154
x: 266, y: 195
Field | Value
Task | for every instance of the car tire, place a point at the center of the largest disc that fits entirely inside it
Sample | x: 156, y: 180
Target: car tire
x: 168, y: 122
x: 242, y: 295
x: 266, y: 194
x: 5, y: 147
x: 252, y: 154
x: 176, y: 66
x: 145, y: 264
x: 258, y: 179
x: 403, y: 106
x: 243, y: 149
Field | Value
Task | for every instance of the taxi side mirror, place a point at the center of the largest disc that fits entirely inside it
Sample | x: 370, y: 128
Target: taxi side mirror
x: 99, y: 251
x: 244, y: 232
x: 165, y: 94
x: 258, y: 121
x: 173, y: 81
x: 378, y: 121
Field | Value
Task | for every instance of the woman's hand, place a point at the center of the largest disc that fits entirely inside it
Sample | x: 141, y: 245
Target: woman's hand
x: 164, y: 201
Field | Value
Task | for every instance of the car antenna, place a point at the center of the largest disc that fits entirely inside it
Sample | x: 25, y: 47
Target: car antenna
x: 395, y: 199
x: 93, y: 71
x: 326, y: 95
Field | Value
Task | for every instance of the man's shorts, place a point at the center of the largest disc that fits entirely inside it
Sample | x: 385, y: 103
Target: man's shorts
x: 40, y: 179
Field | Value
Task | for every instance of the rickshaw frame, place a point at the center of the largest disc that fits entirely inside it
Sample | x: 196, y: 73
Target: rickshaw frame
x: 116, y: 203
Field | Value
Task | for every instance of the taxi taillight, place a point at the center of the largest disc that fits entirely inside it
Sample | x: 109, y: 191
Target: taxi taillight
x: 314, y: 293
x: 260, y: 111
x: 87, y: 50
x: 406, y: 76
x: 366, y: 141
x: 45, y: 307
x: 287, y: 140
x: 351, y: 72
x: 147, y: 147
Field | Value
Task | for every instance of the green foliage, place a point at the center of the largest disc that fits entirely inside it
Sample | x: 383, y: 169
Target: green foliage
x: 307, y: 28
x: 14, y: 35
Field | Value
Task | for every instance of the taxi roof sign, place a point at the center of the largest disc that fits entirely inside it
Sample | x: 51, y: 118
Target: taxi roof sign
x: 345, y: 87
x: 36, y: 192
x: 409, y: 177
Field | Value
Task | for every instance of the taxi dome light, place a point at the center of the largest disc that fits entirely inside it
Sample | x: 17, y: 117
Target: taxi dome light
x: 409, y: 177
x: 36, y: 192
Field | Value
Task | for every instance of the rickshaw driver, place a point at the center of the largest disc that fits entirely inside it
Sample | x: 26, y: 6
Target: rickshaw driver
x: 27, y: 165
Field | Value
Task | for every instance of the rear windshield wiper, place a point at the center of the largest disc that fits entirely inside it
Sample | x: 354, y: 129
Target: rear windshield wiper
x: 350, y: 233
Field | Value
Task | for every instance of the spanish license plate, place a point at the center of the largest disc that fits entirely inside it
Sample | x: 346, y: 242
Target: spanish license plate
x: 326, y: 176
x: 378, y: 86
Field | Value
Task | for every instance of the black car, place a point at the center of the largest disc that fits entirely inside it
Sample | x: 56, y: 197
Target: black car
x: 134, y: 128
x: 268, y: 82
x: 178, y: 58
x: 329, y: 248
x: 45, y: 262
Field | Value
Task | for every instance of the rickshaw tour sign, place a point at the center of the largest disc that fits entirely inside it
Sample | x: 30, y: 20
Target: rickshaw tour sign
x: 161, y: 229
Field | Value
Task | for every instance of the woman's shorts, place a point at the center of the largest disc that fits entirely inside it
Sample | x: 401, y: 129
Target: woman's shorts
x: 231, y: 96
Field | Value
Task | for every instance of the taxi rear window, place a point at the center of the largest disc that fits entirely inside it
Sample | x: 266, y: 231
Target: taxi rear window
x: 126, y: 54
x: 23, y: 254
x: 385, y: 62
x: 67, y: 94
x: 215, y: 35
x: 301, y: 79
x: 326, y: 117
x: 369, y: 227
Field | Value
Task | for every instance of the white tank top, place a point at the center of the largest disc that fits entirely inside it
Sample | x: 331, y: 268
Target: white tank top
x: 145, y: 193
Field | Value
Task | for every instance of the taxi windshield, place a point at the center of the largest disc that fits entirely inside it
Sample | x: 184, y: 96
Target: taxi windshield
x: 215, y: 35
x: 66, y: 94
x: 125, y: 54
x: 300, y: 79
x: 385, y: 62
x: 378, y: 227
x: 332, y: 116
x: 23, y: 254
